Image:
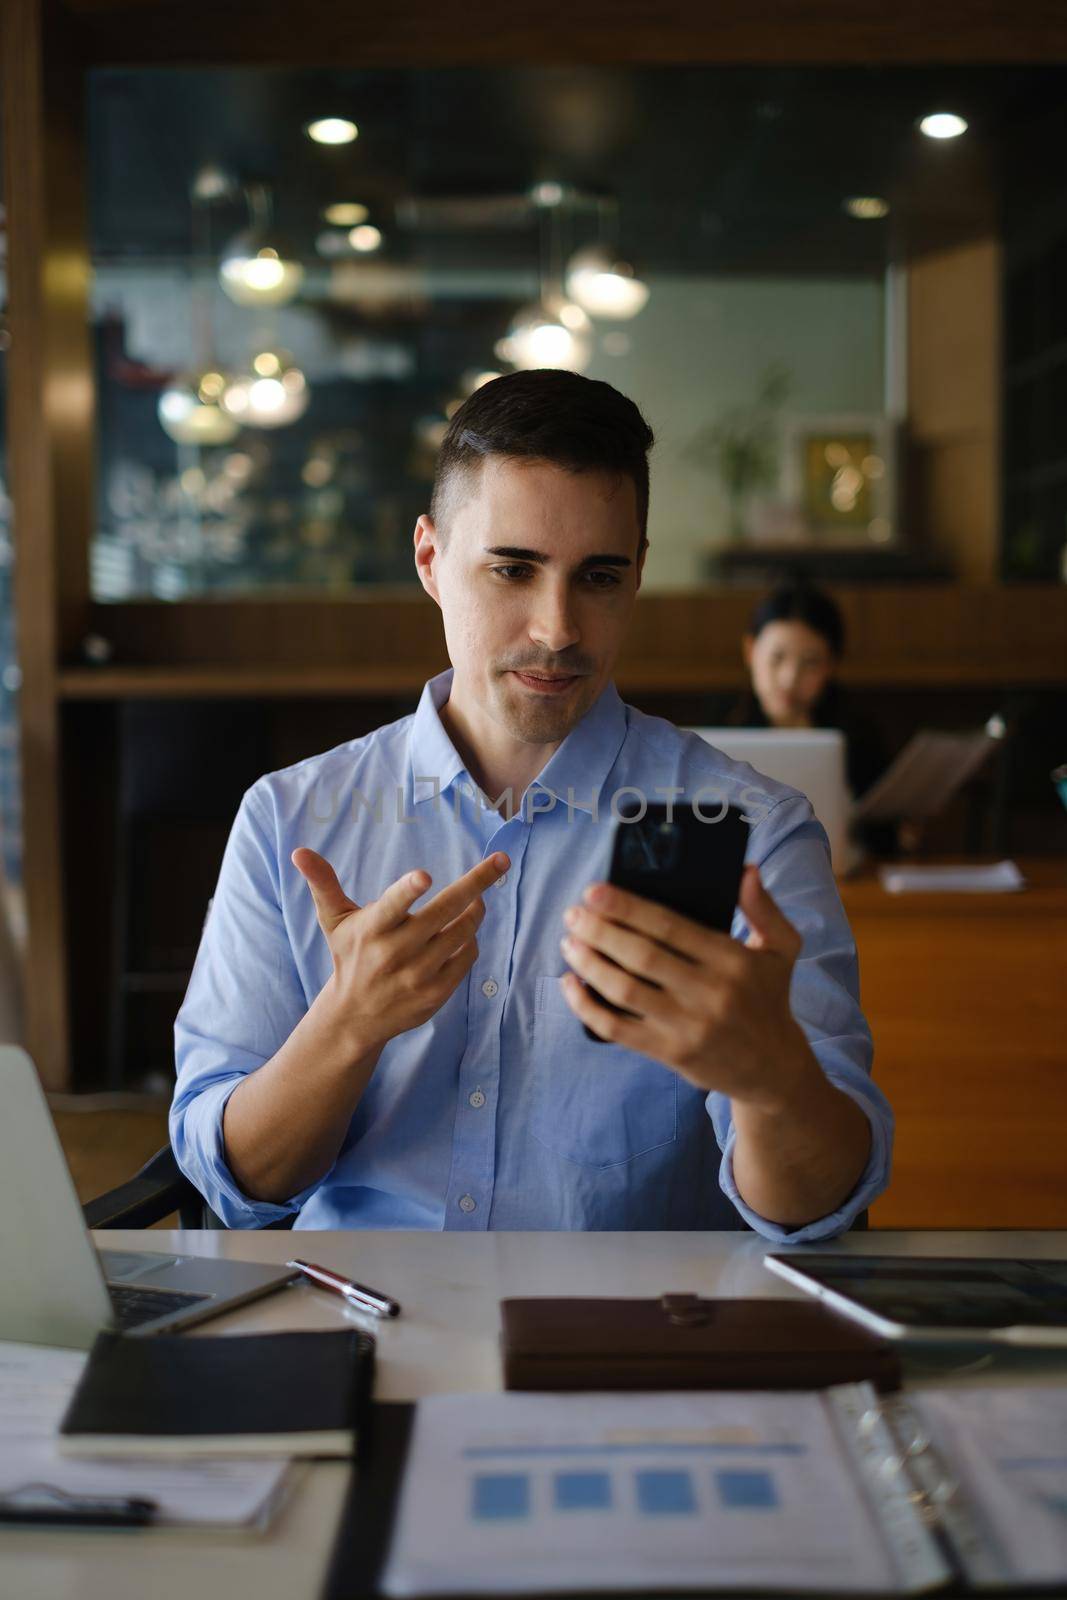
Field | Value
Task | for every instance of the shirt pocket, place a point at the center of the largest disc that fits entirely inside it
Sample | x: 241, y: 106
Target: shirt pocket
x: 595, y: 1104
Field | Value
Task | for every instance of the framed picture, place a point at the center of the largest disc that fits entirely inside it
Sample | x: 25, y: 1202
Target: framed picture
x: 839, y: 477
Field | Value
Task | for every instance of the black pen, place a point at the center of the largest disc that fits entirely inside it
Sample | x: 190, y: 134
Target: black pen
x: 357, y: 1294
x: 43, y: 1503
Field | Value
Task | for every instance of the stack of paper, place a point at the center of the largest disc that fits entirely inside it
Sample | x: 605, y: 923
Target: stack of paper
x: 1001, y: 877
x: 36, y: 1384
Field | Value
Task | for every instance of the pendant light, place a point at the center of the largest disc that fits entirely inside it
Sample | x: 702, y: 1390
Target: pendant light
x: 604, y: 285
x: 190, y: 407
x: 554, y: 332
x: 190, y: 412
x: 256, y: 268
x: 272, y: 394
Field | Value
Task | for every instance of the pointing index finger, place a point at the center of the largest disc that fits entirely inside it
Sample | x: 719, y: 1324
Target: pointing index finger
x: 454, y: 898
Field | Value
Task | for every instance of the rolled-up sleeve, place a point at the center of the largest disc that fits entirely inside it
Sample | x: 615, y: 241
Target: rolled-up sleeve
x: 244, y: 999
x: 793, y: 855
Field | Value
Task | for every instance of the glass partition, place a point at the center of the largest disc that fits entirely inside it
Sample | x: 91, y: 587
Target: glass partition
x: 299, y: 276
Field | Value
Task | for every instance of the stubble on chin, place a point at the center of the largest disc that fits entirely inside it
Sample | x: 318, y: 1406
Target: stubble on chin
x: 541, y: 722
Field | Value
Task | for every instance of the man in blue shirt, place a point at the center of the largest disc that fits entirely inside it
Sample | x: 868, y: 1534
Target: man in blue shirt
x: 384, y: 1025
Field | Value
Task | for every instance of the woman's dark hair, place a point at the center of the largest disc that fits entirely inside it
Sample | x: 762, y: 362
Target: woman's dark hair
x: 576, y: 423
x: 802, y: 602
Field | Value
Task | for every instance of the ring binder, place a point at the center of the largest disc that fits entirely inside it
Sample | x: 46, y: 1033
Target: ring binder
x: 913, y: 1459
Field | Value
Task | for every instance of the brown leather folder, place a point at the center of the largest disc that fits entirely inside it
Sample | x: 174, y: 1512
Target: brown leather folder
x: 683, y: 1342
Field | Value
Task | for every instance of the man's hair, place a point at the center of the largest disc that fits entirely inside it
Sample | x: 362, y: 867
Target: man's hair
x: 799, y: 601
x: 576, y: 423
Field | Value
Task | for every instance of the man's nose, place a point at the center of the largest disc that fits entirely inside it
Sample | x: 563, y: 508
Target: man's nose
x: 553, y: 624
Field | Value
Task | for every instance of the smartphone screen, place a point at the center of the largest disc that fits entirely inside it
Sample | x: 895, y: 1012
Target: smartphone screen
x: 688, y: 860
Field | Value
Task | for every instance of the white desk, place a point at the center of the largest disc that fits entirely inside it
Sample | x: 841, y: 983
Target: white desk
x: 446, y: 1339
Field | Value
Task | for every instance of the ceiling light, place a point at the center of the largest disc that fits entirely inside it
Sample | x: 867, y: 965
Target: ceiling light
x: 211, y: 183
x: 258, y: 276
x: 365, y: 238
x: 332, y: 130
x: 605, y: 286
x: 943, y: 125
x: 272, y: 395
x: 256, y: 268
x: 555, y: 333
x: 867, y: 207
x: 550, y: 193
x: 345, y: 214
x: 189, y: 411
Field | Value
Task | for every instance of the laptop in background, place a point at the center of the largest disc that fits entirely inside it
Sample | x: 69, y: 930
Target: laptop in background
x: 809, y: 759
x: 57, y: 1288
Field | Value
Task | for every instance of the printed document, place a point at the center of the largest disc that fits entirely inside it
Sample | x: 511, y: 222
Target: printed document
x: 36, y: 1384
x: 541, y: 1492
x: 1007, y: 1446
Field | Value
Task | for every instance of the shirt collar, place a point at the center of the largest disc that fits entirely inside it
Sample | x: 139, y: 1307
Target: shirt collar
x: 575, y: 773
x: 435, y: 761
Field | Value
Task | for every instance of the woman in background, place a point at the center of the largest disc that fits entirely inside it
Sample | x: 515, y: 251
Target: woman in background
x: 793, y: 647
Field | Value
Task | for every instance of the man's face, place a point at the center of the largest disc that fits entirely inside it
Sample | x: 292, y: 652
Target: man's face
x: 536, y: 578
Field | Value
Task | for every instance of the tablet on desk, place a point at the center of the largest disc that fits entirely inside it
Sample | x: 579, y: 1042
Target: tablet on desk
x: 939, y: 1298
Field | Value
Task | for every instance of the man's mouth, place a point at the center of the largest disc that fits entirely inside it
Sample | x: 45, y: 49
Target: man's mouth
x: 547, y: 682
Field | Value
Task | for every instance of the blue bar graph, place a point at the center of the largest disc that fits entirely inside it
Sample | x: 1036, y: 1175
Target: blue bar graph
x: 582, y: 1491
x: 665, y: 1493
x: 497, y: 1495
x: 746, y: 1491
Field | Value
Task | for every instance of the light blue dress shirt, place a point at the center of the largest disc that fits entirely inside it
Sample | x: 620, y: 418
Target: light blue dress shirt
x: 499, y: 1112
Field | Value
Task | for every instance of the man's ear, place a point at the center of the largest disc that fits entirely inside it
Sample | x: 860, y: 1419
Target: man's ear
x: 427, y: 553
x: 748, y: 642
x: 641, y: 554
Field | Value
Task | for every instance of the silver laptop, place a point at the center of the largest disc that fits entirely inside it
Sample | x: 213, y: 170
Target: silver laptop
x: 55, y: 1288
x: 809, y: 759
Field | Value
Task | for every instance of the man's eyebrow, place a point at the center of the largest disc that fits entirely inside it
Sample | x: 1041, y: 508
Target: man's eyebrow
x: 516, y: 553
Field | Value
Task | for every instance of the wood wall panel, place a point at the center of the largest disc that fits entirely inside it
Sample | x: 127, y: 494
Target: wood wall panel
x: 337, y: 33
x: 943, y: 634
x: 50, y: 444
x: 965, y: 1000
x: 954, y: 378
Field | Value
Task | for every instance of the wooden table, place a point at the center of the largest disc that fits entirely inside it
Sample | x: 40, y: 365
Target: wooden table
x: 967, y: 999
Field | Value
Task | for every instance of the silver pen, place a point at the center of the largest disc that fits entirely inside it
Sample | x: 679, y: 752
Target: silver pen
x: 357, y: 1294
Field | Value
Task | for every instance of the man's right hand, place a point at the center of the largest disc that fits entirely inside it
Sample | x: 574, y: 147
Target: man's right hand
x: 393, y: 968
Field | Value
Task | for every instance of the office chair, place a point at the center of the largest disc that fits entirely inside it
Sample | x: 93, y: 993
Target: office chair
x: 152, y: 1194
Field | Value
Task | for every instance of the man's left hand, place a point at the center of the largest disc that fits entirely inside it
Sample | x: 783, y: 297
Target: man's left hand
x: 715, y: 1010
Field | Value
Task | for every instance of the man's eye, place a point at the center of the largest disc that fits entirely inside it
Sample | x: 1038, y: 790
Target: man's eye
x: 602, y: 579
x: 512, y: 573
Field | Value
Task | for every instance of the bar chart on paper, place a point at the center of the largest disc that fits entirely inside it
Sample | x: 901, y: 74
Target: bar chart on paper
x: 552, y: 1492
x: 651, y: 1491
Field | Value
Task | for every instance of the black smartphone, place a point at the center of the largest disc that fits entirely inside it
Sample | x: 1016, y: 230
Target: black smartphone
x: 688, y: 859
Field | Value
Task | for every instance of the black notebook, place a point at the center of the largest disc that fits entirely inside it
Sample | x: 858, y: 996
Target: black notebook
x: 276, y: 1394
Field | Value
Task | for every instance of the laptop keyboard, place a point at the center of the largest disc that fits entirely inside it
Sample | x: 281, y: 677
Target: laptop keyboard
x: 134, y: 1305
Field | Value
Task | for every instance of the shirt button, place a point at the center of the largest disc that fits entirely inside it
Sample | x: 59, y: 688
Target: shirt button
x: 467, y: 1202
x: 477, y: 1099
x: 490, y: 987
